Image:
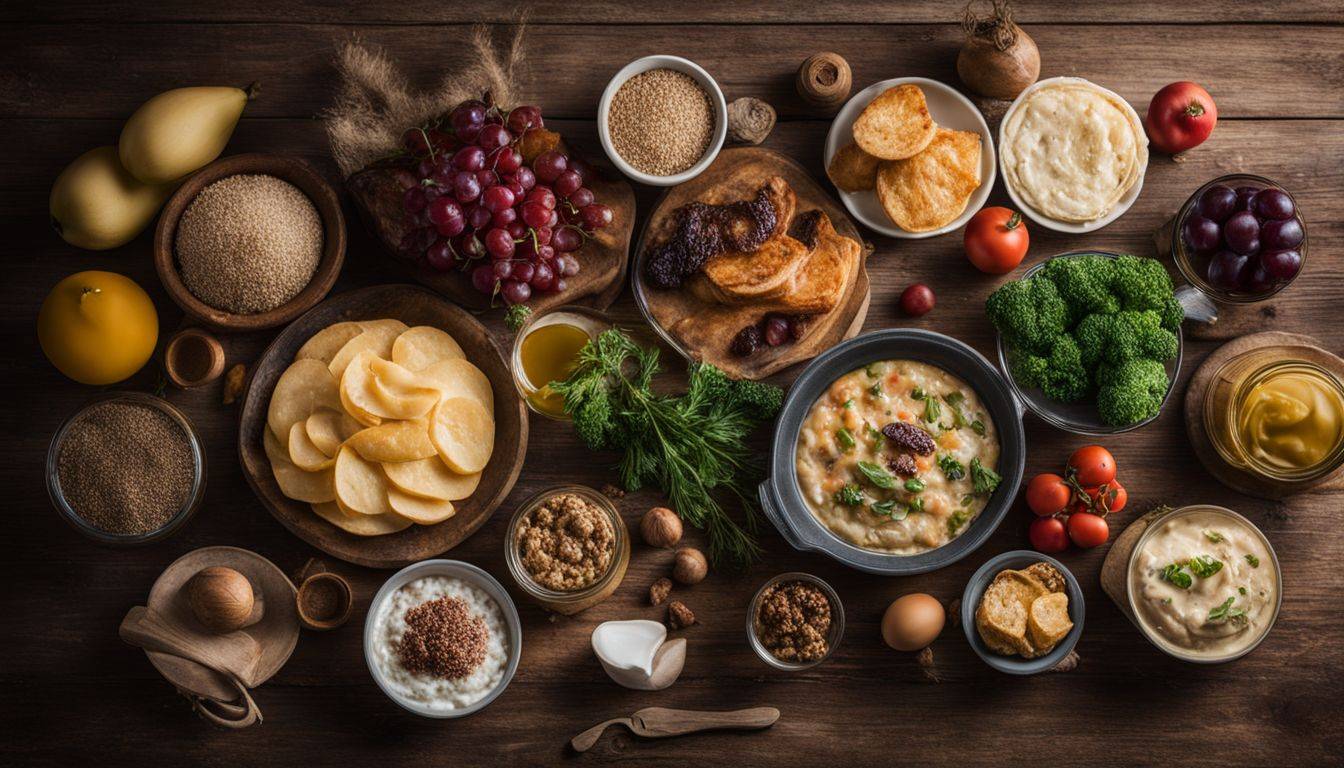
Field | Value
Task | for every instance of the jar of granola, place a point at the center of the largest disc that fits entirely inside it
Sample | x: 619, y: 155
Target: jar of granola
x: 568, y: 548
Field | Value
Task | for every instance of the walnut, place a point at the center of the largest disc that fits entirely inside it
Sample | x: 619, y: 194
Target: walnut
x: 660, y: 527
x: 679, y: 616
x: 233, y: 383
x: 927, y: 665
x: 609, y: 490
x: 690, y: 566
x: 660, y: 590
x: 909, y: 437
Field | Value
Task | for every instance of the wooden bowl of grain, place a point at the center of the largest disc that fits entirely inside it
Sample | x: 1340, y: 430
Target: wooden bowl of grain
x: 227, y: 284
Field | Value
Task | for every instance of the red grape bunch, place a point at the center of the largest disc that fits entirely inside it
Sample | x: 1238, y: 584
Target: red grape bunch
x: 473, y: 205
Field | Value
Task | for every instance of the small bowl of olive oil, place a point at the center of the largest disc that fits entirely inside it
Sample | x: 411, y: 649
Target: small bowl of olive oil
x: 546, y: 350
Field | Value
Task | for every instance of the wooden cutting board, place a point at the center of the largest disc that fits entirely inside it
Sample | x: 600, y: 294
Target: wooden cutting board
x: 703, y: 331
x: 414, y: 306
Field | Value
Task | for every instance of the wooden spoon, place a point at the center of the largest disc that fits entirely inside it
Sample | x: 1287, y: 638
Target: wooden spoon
x: 661, y: 722
x: 235, y: 654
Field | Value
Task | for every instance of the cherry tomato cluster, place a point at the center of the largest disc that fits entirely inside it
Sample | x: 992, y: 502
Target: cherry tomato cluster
x: 1074, y: 507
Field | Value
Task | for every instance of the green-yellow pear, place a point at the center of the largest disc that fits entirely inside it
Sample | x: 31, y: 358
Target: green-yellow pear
x: 180, y: 130
x: 96, y: 204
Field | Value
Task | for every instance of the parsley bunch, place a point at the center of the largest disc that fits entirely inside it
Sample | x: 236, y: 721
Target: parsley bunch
x: 690, y: 446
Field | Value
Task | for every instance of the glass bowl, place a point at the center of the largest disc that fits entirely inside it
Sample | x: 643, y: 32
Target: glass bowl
x: 1081, y: 418
x: 1193, y: 267
x: 189, y: 506
x: 578, y: 600
x: 590, y: 320
x: 832, y: 637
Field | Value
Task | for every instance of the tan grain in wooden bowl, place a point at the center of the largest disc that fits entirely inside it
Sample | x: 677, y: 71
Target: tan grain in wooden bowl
x: 291, y: 169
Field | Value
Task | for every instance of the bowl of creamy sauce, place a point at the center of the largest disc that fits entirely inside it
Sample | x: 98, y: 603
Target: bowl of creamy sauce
x: 442, y: 638
x: 1204, y: 584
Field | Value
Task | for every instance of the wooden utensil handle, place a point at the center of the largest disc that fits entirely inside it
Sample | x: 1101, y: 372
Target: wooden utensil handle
x: 585, y: 741
x: 229, y: 716
x: 146, y: 629
x: 659, y: 721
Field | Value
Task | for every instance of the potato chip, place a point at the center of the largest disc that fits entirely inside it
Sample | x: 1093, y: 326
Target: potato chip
x: 377, y: 337
x: 398, y: 393
x: 432, y: 479
x: 305, y: 386
x: 896, y: 124
x: 459, y: 378
x: 360, y: 485
x: 463, y: 433
x: 324, y: 344
x: 422, y: 346
x: 328, y: 429
x: 852, y: 169
x: 313, y: 487
x: 931, y: 189
x: 303, y: 453
x: 369, y: 403
x: 394, y: 441
x: 361, y: 525
x: 418, y: 509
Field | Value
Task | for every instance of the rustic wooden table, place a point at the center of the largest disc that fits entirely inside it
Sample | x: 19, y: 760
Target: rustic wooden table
x: 71, y: 72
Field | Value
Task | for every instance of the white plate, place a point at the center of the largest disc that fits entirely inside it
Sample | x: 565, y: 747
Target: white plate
x: 1070, y: 226
x: 949, y: 109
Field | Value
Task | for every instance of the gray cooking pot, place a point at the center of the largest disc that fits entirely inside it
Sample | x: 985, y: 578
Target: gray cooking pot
x: 783, y: 501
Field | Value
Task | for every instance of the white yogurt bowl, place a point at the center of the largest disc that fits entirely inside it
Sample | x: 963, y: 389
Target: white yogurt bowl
x: 468, y: 574
x: 678, y: 64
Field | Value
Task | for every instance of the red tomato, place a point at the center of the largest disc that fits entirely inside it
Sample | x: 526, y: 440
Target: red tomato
x: 1088, y: 530
x: 1112, y: 497
x: 1092, y: 465
x: 1048, y: 494
x: 1047, y: 535
x: 1180, y: 117
x: 996, y: 240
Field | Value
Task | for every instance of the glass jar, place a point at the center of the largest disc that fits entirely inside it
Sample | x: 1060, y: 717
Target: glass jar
x: 547, y: 352
x: 189, y: 505
x: 837, y: 630
x: 1237, y: 396
x: 1194, y: 266
x: 581, y: 599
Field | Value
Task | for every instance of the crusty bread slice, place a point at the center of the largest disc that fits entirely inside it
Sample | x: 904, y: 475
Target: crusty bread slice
x: 1047, y: 574
x: 896, y: 124
x: 737, y: 277
x: 1048, y: 621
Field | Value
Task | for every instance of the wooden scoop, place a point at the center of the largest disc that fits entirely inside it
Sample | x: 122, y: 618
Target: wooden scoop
x: 660, y: 722
x: 235, y: 654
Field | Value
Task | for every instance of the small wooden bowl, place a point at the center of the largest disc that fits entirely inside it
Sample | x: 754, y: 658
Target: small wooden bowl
x: 291, y: 169
x: 339, y: 614
x: 193, y: 358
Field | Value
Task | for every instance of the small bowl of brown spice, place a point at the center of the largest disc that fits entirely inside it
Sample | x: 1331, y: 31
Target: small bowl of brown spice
x: 568, y: 548
x: 795, y: 621
x: 662, y: 120
x: 126, y: 469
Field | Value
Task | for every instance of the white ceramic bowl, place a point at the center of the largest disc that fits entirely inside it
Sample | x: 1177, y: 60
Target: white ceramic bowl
x: 949, y: 109
x: 1072, y: 227
x: 680, y: 65
x: 472, y: 575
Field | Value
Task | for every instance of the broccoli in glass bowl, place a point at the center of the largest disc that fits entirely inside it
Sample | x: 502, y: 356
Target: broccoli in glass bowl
x: 1090, y: 340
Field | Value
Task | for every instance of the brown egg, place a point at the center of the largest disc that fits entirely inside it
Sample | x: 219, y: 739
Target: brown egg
x: 912, y: 622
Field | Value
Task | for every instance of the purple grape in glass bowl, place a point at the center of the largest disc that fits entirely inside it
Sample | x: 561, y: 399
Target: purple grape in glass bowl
x: 1260, y: 281
x: 1281, y: 235
x: 1228, y: 271
x: 1201, y: 235
x: 1273, y: 204
x: 1245, y: 196
x: 1241, y: 232
x: 1281, y: 265
x: 1217, y: 203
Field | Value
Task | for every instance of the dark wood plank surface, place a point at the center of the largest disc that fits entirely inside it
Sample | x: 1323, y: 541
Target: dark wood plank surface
x: 71, y: 73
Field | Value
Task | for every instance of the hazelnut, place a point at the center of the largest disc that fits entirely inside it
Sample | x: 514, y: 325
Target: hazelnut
x: 659, y: 591
x: 221, y: 598
x: 660, y: 527
x: 678, y: 615
x: 690, y: 566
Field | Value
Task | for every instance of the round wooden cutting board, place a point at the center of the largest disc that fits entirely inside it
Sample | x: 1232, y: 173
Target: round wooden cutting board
x: 413, y: 306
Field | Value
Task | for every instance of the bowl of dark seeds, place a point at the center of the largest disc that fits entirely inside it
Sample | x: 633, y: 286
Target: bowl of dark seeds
x: 662, y: 120
x: 126, y: 469
x: 250, y: 242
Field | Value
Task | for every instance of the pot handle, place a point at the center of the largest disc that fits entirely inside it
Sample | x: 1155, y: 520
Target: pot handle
x: 1197, y: 305
x: 781, y: 521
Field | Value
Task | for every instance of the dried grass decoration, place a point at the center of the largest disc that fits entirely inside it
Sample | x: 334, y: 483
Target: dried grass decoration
x: 375, y: 103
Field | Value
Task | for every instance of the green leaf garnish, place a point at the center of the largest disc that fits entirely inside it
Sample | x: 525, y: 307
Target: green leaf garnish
x: 914, y: 485
x: 1253, y: 560
x: 1177, y: 576
x: 1225, y: 612
x: 845, y: 438
x: 978, y: 427
x: 851, y: 495
x: 1204, y: 566
x: 953, y: 469
x: 932, y: 410
x: 983, y: 481
x: 877, y: 475
x: 1213, y: 536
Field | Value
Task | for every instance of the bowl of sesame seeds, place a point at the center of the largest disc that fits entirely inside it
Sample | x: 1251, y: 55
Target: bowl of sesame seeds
x: 662, y: 120
x: 250, y: 242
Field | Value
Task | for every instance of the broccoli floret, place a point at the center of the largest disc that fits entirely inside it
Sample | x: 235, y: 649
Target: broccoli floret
x: 1029, y: 313
x: 1084, y: 283
x: 1123, y: 336
x: 710, y: 385
x: 760, y: 401
x: 1131, y: 392
x: 1172, y: 313
x: 1060, y: 375
x: 1141, y: 283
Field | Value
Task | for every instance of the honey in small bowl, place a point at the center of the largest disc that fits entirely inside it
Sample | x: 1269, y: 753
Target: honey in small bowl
x: 546, y: 350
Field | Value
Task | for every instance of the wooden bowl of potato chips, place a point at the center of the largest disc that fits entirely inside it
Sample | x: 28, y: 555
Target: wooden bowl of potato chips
x: 382, y: 426
x: 911, y: 157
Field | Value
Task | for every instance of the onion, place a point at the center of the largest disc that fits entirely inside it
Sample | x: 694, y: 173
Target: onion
x: 999, y: 59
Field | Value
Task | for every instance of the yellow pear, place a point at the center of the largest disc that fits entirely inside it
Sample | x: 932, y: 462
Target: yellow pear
x: 180, y: 130
x: 96, y: 204
x: 97, y: 327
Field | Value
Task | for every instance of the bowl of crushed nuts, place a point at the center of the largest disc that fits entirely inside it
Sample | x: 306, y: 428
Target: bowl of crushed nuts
x: 567, y: 548
x: 795, y: 621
